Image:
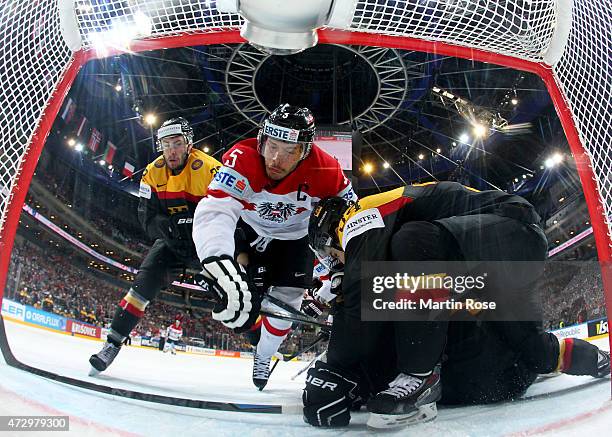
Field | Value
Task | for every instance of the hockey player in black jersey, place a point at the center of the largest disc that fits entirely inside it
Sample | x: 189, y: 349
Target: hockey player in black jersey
x: 170, y: 189
x: 399, y: 362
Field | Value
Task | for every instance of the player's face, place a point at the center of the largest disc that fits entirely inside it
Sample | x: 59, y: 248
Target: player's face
x: 281, y: 157
x: 175, y: 151
x: 336, y: 254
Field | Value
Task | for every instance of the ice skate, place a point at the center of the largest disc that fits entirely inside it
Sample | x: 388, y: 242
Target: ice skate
x: 408, y: 400
x: 603, y: 364
x: 100, y: 361
x: 261, y: 371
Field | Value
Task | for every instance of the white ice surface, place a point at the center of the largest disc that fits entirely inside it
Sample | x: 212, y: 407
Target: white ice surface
x: 564, y: 412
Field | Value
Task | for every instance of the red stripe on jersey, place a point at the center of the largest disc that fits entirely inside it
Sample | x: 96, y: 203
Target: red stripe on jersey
x: 218, y: 194
x: 131, y: 308
x: 391, y: 207
x: 272, y: 330
x: 179, y: 195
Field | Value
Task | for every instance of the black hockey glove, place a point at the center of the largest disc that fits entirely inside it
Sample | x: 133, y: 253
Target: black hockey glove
x: 311, y: 308
x: 237, y: 307
x: 179, y: 235
x: 181, y: 226
x: 328, y: 396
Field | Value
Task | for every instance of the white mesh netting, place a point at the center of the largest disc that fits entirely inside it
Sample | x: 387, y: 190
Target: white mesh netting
x: 34, y: 56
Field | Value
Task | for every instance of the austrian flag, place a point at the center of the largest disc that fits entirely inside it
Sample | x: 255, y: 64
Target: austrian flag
x: 128, y: 169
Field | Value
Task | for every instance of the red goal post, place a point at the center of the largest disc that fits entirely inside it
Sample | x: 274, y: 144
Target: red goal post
x: 565, y: 42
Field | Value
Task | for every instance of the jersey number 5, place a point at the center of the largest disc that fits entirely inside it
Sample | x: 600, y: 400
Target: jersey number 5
x: 233, y: 155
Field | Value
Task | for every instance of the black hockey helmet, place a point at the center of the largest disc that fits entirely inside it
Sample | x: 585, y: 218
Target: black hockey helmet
x: 291, y: 124
x: 323, y: 224
x: 174, y: 126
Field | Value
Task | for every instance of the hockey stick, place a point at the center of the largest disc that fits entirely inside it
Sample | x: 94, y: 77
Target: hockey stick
x: 285, y: 306
x: 309, y: 365
x: 306, y: 348
x: 292, y: 316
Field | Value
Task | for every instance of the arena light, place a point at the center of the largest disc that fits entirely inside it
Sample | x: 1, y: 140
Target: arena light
x: 368, y: 168
x: 206, y: 149
x: 102, y: 162
x: 421, y: 156
x: 514, y: 101
x: 464, y: 138
x: 121, y: 33
x: 479, y: 130
x: 288, y: 27
x: 144, y: 25
x: 386, y: 164
x: 150, y: 119
x: 438, y: 150
x: 78, y: 147
x: 553, y: 160
x: 71, y: 142
x: 118, y: 88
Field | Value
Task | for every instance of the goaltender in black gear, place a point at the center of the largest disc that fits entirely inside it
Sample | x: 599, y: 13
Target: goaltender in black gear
x: 397, y: 363
x: 170, y: 189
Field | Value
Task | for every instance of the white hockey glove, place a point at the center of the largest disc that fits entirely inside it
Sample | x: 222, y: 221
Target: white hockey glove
x: 330, y: 288
x: 238, y: 307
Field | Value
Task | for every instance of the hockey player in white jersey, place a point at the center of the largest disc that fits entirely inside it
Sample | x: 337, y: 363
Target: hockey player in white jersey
x: 265, y: 192
x: 174, y: 333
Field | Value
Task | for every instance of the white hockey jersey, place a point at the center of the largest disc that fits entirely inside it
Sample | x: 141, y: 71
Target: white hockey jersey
x: 274, y: 209
x: 174, y: 332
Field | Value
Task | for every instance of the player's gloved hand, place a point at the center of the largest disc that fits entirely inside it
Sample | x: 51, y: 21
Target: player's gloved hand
x: 328, y: 396
x: 237, y: 308
x: 179, y: 235
x: 329, y: 289
x: 181, y: 226
x: 311, y: 308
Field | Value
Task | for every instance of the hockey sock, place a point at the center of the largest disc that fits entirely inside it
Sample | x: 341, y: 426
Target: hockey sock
x: 128, y: 314
x: 273, y: 332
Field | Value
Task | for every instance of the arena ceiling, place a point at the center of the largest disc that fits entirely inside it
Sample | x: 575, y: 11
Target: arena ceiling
x: 391, y: 96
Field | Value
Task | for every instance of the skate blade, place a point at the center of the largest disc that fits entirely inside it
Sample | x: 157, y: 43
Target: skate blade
x: 425, y: 413
x: 93, y: 371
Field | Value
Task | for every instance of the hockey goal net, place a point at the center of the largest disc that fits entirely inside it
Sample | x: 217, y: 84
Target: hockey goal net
x: 565, y: 42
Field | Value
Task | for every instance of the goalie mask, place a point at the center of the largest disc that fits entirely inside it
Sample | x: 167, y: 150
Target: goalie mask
x: 290, y: 124
x: 323, y: 225
x: 172, y: 127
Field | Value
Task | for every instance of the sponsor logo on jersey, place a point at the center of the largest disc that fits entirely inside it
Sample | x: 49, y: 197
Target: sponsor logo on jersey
x: 230, y: 181
x: 278, y: 212
x: 160, y: 163
x: 320, y: 269
x: 198, y: 163
x: 281, y: 133
x: 144, y: 191
x: 347, y: 193
x: 241, y: 185
x: 362, y: 222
